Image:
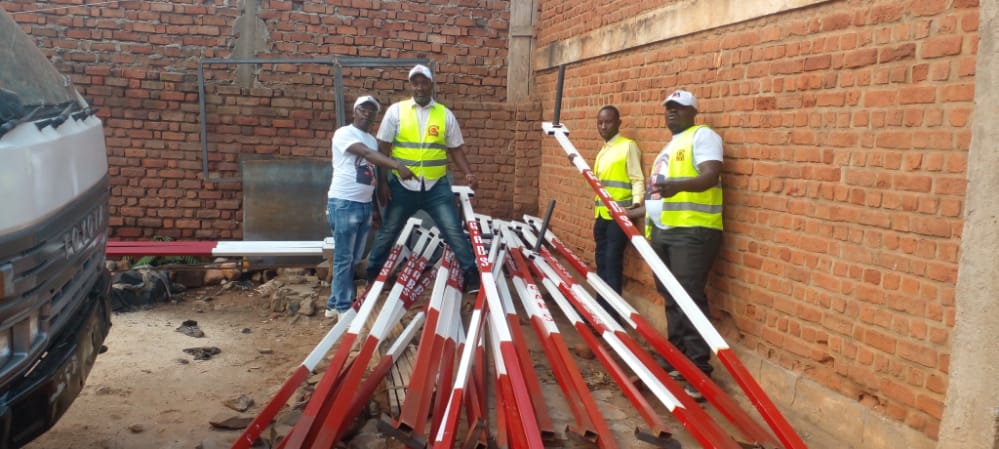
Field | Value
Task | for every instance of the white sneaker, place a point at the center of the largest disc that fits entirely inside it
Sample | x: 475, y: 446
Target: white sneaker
x: 333, y: 313
x: 693, y: 393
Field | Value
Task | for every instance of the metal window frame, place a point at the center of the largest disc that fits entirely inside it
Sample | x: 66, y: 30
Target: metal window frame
x: 338, y: 62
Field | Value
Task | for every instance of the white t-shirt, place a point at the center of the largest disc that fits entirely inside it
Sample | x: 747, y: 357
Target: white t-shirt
x: 707, y: 147
x: 353, y: 177
x: 390, y: 128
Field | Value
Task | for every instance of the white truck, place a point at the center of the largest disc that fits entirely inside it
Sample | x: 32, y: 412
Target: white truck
x: 54, y: 288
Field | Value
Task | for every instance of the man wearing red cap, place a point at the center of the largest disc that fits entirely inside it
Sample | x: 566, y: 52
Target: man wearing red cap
x: 421, y: 133
x: 684, y: 219
x: 348, y: 206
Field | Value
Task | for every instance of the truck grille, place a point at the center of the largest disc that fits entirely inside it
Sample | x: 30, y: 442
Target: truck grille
x: 47, y: 270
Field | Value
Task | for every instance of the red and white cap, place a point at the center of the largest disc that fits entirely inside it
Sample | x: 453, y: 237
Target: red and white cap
x: 683, y: 98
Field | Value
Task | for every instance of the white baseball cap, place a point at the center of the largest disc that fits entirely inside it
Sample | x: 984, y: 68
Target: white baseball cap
x: 420, y: 69
x: 367, y: 99
x: 683, y: 98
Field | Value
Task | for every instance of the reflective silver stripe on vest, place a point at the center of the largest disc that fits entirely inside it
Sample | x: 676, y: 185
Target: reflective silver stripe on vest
x: 420, y: 146
x: 706, y: 208
x: 623, y: 185
x: 622, y: 203
x: 412, y: 163
x: 684, y: 178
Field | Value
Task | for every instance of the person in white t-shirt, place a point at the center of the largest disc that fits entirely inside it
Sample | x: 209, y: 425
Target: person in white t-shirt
x: 684, y: 219
x: 349, y: 203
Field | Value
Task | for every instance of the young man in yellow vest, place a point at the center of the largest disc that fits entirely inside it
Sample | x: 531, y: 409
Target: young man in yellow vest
x: 420, y: 134
x: 618, y: 166
x: 684, y: 218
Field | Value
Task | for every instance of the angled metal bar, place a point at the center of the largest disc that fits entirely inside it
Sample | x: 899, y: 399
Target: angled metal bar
x: 725, y: 404
x: 528, y: 420
x: 771, y: 414
x: 316, y: 406
x: 590, y: 422
x: 335, y: 422
x: 695, y: 420
x: 421, y: 381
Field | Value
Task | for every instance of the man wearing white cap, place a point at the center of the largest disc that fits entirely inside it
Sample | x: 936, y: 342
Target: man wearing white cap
x: 420, y: 133
x: 684, y: 219
x: 349, y: 207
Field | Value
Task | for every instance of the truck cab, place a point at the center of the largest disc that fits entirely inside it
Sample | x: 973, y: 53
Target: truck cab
x: 54, y: 287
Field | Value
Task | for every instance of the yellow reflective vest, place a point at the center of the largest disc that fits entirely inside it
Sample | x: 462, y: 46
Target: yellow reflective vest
x: 690, y: 209
x: 611, y: 169
x: 425, y: 154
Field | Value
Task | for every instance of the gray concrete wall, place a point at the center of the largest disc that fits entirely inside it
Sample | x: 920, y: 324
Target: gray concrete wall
x: 971, y: 411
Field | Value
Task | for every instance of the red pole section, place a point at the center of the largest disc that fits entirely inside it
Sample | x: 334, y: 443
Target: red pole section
x: 158, y: 248
x: 515, y: 432
x: 445, y: 436
x: 266, y: 415
x: 724, y: 402
x: 545, y: 424
x: 421, y: 382
x: 475, y: 402
x: 695, y: 420
x: 556, y: 279
x: 317, y: 407
x: 522, y: 397
x: 763, y: 404
x: 388, y: 359
x: 588, y: 416
x: 451, y: 333
x: 335, y: 419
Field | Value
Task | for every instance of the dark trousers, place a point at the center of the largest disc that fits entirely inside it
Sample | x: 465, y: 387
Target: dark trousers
x: 610, y: 243
x: 689, y: 254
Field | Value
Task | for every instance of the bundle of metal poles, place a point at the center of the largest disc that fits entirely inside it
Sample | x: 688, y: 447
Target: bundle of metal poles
x: 453, y: 371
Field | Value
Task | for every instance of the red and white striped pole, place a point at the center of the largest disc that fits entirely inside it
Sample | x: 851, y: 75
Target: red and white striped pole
x: 335, y: 421
x: 317, y: 407
x: 545, y: 424
x: 590, y: 422
x: 528, y: 423
x: 451, y: 332
x: 445, y: 436
x: 561, y: 285
x: 475, y: 402
x: 387, y: 360
x: 412, y: 416
x: 724, y: 402
x: 722, y: 351
x: 446, y: 429
x: 695, y: 420
x: 659, y: 434
x: 267, y: 414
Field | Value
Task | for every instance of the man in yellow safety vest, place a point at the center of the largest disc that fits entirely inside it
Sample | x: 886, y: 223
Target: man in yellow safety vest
x: 618, y: 166
x: 420, y: 133
x: 684, y: 219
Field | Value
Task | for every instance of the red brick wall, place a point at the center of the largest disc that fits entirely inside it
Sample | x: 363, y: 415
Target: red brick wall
x: 137, y: 62
x: 559, y: 20
x: 846, y: 135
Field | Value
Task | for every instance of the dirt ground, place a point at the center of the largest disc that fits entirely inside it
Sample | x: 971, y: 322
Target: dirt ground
x: 145, y: 392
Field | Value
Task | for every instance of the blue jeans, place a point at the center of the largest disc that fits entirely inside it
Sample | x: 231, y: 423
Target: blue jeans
x: 350, y: 222
x: 438, y: 202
